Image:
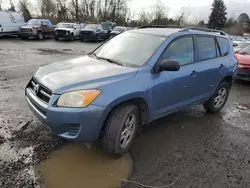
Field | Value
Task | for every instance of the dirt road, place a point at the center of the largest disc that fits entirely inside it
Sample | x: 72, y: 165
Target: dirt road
x: 195, y: 148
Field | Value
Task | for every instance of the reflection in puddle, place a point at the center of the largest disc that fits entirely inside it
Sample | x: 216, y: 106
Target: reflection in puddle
x: 75, y: 166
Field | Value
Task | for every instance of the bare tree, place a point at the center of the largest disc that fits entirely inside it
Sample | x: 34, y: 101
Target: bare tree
x: 47, y: 8
x: 75, y: 9
x: 62, y: 10
x: 182, y: 18
x: 24, y: 7
x: 158, y: 11
x: 144, y: 17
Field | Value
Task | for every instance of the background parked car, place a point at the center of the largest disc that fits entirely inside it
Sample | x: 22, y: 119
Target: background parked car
x: 243, y: 57
x: 94, y: 32
x: 242, y: 45
x: 38, y: 28
x: 118, y: 30
x: 67, y: 31
x: 10, y: 23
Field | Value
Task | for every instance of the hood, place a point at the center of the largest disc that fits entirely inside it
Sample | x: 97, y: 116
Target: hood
x: 81, y: 73
x: 28, y: 26
x: 64, y: 29
x: 243, y: 59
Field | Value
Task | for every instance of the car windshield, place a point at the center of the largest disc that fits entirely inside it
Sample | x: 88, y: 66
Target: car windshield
x: 106, y: 26
x: 65, y: 25
x: 245, y: 51
x: 34, y: 22
x: 90, y: 27
x: 119, y: 29
x: 130, y: 48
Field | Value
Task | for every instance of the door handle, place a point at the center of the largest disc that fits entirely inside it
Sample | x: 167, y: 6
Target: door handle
x: 193, y: 74
x: 222, y: 66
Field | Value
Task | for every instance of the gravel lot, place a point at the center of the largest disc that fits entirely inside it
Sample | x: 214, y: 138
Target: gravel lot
x: 195, y: 148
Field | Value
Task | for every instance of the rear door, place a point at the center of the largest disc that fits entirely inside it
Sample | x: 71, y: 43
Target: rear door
x: 209, y: 67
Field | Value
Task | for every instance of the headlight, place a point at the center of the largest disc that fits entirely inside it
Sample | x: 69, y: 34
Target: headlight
x: 78, y: 99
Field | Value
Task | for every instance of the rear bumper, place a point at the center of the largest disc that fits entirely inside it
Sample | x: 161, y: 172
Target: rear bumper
x: 70, y: 123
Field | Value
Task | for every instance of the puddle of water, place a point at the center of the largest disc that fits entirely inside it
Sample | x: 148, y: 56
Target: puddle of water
x: 76, y: 166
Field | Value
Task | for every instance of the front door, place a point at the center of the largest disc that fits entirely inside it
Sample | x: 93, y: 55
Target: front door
x: 174, y: 90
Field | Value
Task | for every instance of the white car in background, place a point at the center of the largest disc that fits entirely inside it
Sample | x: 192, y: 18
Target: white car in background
x: 67, y: 31
x: 242, y: 45
x: 10, y: 23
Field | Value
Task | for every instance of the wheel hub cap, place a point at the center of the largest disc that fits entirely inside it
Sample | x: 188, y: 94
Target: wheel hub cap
x: 220, y: 98
x: 128, y: 131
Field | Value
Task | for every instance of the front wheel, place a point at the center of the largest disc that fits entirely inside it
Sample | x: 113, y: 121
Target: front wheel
x: 219, y: 98
x: 120, y: 129
x: 71, y: 37
x: 40, y: 35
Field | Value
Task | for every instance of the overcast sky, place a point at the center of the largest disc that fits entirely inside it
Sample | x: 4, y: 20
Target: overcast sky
x: 196, y: 9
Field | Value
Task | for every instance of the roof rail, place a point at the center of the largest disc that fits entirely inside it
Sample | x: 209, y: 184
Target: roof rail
x: 152, y: 26
x: 205, y: 30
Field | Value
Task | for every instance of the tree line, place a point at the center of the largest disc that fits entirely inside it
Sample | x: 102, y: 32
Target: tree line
x: 119, y: 11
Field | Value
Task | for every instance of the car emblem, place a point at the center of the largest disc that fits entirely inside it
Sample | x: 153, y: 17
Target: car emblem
x: 36, y: 89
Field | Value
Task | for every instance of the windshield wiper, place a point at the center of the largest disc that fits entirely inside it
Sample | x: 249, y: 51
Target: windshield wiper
x: 109, y: 60
x: 106, y: 59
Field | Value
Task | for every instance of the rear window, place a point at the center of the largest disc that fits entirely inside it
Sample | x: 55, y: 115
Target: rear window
x: 224, y: 46
x: 206, y: 48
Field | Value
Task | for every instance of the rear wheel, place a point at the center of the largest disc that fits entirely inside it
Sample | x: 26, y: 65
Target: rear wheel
x: 219, y: 98
x: 120, y: 129
x: 40, y: 35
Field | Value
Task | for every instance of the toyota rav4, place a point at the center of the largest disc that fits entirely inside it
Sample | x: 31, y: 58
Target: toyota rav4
x: 137, y: 77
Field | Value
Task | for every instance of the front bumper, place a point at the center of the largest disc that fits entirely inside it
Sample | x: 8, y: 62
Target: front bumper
x: 62, y: 36
x: 70, y: 123
x: 243, y: 74
x: 27, y: 34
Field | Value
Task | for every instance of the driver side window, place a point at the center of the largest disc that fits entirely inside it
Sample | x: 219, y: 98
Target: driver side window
x: 181, y: 50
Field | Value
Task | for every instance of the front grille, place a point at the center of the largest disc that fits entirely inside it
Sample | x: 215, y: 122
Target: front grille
x: 26, y: 30
x: 87, y: 33
x: 40, y: 91
x: 61, y: 32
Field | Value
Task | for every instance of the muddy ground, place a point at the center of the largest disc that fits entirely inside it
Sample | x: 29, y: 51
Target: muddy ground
x: 187, y: 149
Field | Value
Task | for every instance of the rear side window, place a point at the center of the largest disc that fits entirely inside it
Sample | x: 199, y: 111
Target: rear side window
x: 224, y: 46
x: 206, y: 48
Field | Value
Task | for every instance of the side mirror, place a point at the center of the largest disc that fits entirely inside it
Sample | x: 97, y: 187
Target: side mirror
x: 74, y: 28
x: 98, y: 30
x: 167, y: 65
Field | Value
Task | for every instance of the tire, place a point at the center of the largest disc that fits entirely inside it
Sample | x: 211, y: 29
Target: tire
x: 71, y: 38
x: 56, y: 38
x: 219, y: 98
x: 24, y: 38
x: 40, y: 35
x: 115, y: 127
x: 98, y: 38
x: 82, y: 40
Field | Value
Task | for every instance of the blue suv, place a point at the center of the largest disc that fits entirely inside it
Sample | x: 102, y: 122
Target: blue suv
x: 133, y: 79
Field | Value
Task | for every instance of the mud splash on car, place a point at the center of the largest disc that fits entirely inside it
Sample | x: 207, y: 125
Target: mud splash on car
x: 75, y: 163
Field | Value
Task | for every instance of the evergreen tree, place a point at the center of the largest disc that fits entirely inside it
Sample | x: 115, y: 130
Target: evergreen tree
x: 217, y: 18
